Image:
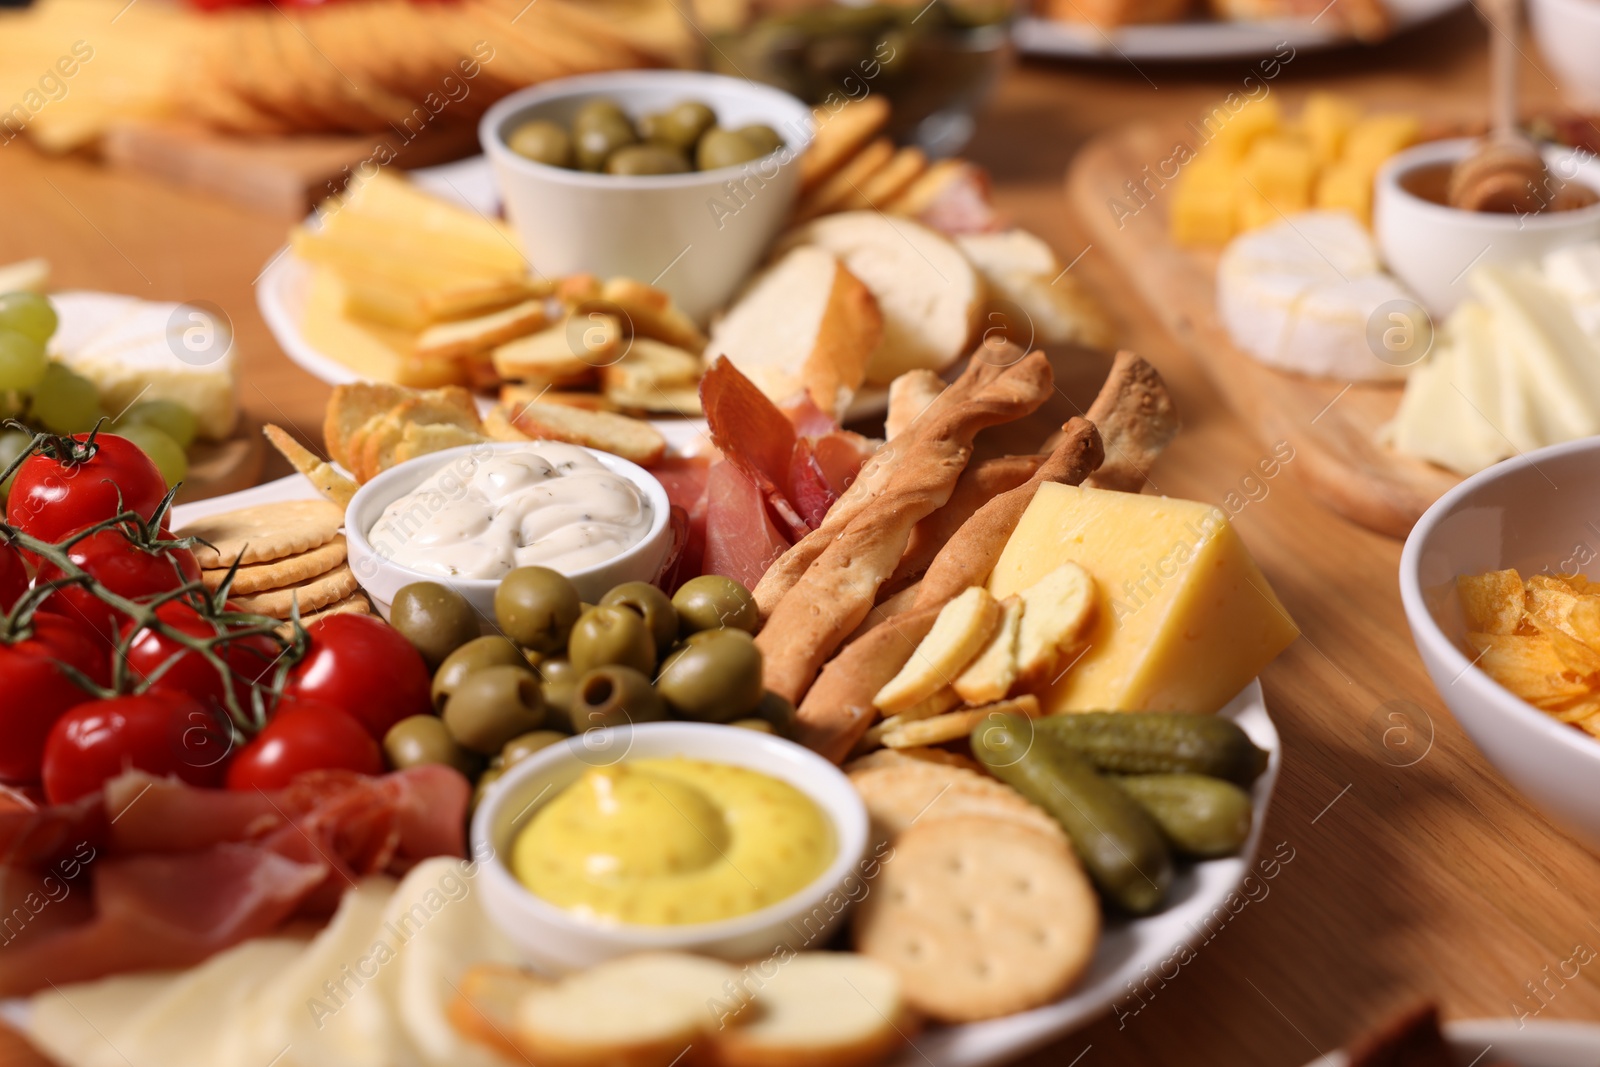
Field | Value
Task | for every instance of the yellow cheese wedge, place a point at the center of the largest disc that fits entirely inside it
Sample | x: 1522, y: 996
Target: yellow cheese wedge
x: 373, y: 352
x: 1186, y: 618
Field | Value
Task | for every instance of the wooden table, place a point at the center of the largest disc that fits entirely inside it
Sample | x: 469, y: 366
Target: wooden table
x: 1415, y: 872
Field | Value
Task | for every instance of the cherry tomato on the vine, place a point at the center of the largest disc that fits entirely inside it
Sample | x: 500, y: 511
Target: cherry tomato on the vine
x: 83, y: 483
x: 159, y: 733
x: 13, y: 577
x: 123, y: 567
x: 365, y: 667
x: 249, y: 659
x: 304, y: 735
x: 35, y: 691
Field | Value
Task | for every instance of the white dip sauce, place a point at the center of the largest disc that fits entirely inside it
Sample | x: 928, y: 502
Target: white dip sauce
x: 550, y: 504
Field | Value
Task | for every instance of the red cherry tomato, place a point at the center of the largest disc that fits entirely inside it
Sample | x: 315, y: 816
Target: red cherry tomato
x: 250, y: 659
x: 35, y: 691
x: 363, y: 666
x: 304, y: 735
x: 161, y: 733
x: 82, y: 484
x: 123, y: 567
x: 13, y: 577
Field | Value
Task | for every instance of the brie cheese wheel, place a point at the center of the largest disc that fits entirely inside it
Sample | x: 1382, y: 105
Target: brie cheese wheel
x: 134, y: 349
x: 1300, y: 295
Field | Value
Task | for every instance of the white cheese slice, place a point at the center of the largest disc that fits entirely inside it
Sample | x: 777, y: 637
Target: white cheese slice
x: 145, y: 350
x: 1300, y: 294
x: 1574, y: 272
x: 1555, y: 363
x: 72, y: 1024
x: 1452, y: 402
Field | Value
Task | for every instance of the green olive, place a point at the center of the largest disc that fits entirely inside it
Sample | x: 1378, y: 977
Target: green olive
x: 536, y: 607
x: 597, y: 109
x: 611, y: 634
x: 485, y: 780
x: 522, y: 746
x: 760, y: 726
x: 419, y: 739
x: 763, y: 137
x: 711, y: 601
x: 435, y: 618
x: 646, y: 159
x: 558, y: 683
x: 597, y: 140
x: 682, y: 125
x: 777, y: 712
x: 715, y: 679
x: 543, y: 142
x: 704, y: 635
x: 475, y: 655
x: 615, y: 696
x: 651, y: 604
x: 492, y: 706
x: 724, y: 148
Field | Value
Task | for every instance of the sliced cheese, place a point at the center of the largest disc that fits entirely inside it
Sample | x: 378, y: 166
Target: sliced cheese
x: 1574, y: 272
x: 1300, y: 294
x: 1185, y: 618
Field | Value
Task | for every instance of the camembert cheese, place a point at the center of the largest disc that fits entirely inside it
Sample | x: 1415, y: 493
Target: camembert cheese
x: 1185, y: 618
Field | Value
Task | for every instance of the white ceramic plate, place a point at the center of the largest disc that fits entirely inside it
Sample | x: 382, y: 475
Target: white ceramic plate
x: 284, y: 285
x: 1204, y: 40
x: 1527, y: 1044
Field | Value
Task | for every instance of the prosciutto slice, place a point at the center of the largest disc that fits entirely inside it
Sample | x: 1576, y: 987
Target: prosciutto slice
x: 755, y: 436
x: 741, y: 538
x: 152, y: 873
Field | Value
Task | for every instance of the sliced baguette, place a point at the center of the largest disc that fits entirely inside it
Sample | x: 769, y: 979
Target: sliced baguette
x: 646, y: 311
x: 930, y: 296
x: 468, y: 337
x: 821, y: 1009
x: 632, y: 439
x: 514, y: 395
x: 1021, y: 270
x: 1056, y: 613
x: 650, y: 364
x: 805, y: 324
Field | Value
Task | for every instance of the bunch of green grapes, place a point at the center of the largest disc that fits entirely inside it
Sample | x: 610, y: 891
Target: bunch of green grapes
x: 48, y: 395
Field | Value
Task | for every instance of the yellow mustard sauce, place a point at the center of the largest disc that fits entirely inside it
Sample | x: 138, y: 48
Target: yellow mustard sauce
x: 668, y: 841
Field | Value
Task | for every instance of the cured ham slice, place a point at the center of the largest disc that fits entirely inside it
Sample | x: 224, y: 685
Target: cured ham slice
x: 741, y: 538
x: 754, y: 435
x: 174, y: 874
x: 808, y: 485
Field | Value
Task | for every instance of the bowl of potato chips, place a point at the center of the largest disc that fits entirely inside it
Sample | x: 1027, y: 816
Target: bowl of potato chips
x: 1501, y: 584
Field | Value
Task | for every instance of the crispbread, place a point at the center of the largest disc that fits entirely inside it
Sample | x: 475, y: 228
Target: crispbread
x: 901, y: 793
x: 955, y: 725
x: 845, y: 184
x: 321, y: 474
x: 629, y: 438
x: 264, y: 532
x: 290, y: 570
x: 981, y: 917
x: 468, y: 337
x: 647, y: 312
x: 839, y: 137
x: 315, y: 593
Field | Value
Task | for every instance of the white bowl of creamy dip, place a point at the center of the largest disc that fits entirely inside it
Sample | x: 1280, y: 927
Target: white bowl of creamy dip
x: 467, y: 516
x: 673, y: 841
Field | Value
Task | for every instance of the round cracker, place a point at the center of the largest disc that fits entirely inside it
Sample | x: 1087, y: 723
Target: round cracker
x: 893, y: 757
x: 980, y: 917
x: 260, y: 577
x: 311, y: 595
x: 264, y: 532
x: 899, y: 796
x: 354, y: 604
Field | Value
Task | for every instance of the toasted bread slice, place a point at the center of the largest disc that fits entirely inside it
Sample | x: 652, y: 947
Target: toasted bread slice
x: 845, y: 184
x: 840, y: 136
x: 514, y: 395
x: 993, y: 670
x: 929, y: 295
x: 681, y: 400
x: 649, y: 364
x: 1021, y: 270
x: 322, y: 475
x: 468, y: 337
x: 828, y: 1009
x: 646, y: 312
x: 961, y: 630
x: 632, y: 439
x: 1056, y: 613
x: 566, y: 353
x: 804, y: 325
x: 421, y: 438
x: 485, y: 1006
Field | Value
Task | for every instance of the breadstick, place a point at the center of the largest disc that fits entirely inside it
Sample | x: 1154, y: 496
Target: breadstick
x: 786, y: 570
x: 838, y: 709
x: 980, y: 483
x: 909, y: 396
x: 838, y: 589
x: 1136, y: 419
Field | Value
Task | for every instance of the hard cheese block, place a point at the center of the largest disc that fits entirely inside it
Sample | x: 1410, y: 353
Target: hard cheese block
x: 1185, y: 617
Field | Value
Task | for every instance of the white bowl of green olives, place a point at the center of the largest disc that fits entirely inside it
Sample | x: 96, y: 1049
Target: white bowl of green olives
x: 676, y: 178
x: 557, y: 940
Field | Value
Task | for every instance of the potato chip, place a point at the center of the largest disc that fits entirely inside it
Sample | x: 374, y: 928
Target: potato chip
x: 1549, y: 603
x: 1583, y: 620
x: 1493, y: 602
x: 1578, y: 657
x: 1528, y: 666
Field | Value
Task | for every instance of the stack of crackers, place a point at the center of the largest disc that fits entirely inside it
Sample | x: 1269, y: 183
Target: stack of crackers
x: 290, y: 556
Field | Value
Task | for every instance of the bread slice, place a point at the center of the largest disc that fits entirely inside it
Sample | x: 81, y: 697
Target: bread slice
x: 468, y: 337
x: 632, y: 439
x: 846, y: 183
x: 827, y: 1009
x: 840, y: 134
x: 486, y: 1001
x: 565, y: 354
x: 514, y: 395
x: 646, y: 311
x: 805, y: 324
x: 1021, y: 271
x: 649, y: 364
x: 929, y: 294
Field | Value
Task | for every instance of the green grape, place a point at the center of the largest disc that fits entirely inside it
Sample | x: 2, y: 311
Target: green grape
x: 29, y: 314
x: 12, y: 444
x: 168, y: 416
x: 163, y: 451
x: 64, y: 402
x: 22, y: 361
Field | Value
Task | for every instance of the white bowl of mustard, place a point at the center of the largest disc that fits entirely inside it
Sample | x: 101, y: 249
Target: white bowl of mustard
x: 676, y: 851
x: 465, y: 516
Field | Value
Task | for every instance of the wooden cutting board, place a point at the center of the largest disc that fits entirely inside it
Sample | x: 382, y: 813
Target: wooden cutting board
x: 1331, y: 425
x: 218, y: 467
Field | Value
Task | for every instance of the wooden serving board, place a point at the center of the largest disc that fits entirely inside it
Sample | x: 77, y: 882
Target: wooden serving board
x: 218, y: 467
x: 1332, y: 425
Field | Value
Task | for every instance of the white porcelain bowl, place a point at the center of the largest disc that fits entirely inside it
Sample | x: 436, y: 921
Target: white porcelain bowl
x: 1568, y: 35
x: 1433, y: 248
x: 382, y: 578
x: 557, y: 940
x: 696, y: 235
x: 1526, y: 1043
x: 1532, y: 512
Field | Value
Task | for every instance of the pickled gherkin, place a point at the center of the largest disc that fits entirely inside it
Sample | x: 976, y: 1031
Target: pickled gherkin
x: 1160, y: 743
